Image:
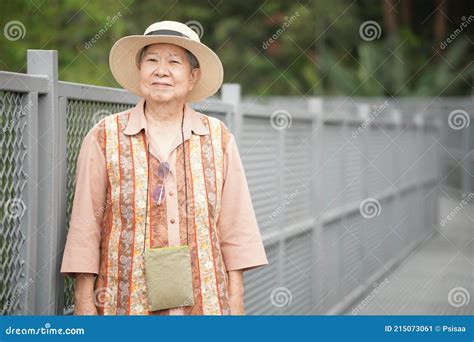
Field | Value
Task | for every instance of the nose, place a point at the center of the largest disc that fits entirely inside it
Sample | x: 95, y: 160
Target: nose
x: 161, y: 69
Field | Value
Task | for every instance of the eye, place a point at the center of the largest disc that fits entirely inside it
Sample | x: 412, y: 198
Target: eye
x: 151, y: 59
x: 175, y: 62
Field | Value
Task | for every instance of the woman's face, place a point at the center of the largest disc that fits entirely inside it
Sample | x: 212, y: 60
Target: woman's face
x: 165, y: 73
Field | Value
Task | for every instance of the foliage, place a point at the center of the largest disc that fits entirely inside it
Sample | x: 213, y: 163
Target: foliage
x: 316, y: 50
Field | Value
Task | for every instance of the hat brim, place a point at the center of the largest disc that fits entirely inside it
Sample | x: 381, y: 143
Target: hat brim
x: 122, y: 61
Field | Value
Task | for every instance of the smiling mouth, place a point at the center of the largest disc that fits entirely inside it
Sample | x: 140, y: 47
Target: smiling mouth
x: 159, y: 84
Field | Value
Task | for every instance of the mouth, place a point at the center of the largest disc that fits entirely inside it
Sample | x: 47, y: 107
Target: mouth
x: 161, y: 84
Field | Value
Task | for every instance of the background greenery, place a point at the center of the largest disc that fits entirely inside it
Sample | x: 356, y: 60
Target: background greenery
x: 320, y: 53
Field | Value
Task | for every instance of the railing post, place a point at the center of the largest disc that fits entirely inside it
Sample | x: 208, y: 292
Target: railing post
x: 315, y: 107
x: 440, y: 167
x: 363, y: 113
x: 396, y: 117
x: 419, y: 122
x: 51, y: 186
x: 31, y: 194
x: 465, y: 155
x: 231, y: 93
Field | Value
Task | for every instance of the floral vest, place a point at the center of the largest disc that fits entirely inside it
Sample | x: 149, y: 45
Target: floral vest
x: 120, y: 288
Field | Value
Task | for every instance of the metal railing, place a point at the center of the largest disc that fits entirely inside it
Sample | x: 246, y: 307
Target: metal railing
x: 342, y: 190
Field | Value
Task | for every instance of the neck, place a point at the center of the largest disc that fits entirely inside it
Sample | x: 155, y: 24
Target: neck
x: 167, y: 114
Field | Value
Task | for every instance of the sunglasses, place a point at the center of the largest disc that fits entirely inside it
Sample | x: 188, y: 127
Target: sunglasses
x: 158, y: 193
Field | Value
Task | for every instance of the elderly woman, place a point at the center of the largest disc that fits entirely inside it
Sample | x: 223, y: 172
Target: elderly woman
x: 162, y: 220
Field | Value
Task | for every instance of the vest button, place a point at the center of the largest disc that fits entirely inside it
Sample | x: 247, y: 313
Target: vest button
x: 171, y: 193
x: 172, y: 221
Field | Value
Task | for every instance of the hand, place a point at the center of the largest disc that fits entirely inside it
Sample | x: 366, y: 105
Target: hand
x: 85, y: 308
x: 236, y: 305
x: 236, y: 292
x: 84, y: 295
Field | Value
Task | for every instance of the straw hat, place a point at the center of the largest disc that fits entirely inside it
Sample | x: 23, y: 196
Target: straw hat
x: 124, y: 56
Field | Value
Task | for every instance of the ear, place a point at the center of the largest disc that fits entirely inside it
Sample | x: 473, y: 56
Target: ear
x: 195, y: 76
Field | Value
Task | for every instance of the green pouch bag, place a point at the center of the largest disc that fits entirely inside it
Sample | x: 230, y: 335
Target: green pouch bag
x: 168, y: 277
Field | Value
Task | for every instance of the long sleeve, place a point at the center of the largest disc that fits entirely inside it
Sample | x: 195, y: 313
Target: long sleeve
x: 82, y: 250
x: 241, y: 242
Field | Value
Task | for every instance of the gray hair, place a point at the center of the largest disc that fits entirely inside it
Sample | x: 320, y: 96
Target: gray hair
x: 193, y: 62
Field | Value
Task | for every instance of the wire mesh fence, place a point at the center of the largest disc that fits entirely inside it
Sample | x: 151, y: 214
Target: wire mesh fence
x: 343, y: 189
